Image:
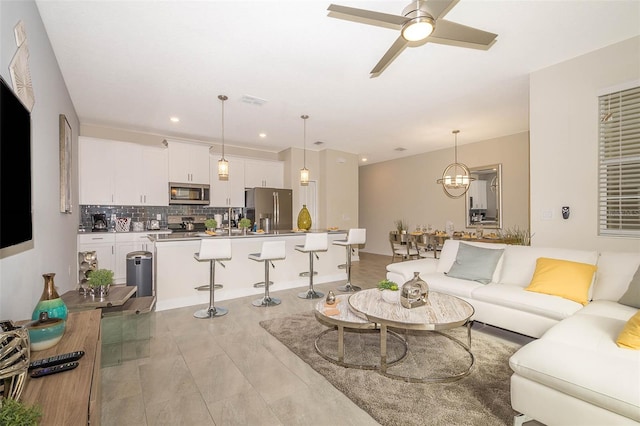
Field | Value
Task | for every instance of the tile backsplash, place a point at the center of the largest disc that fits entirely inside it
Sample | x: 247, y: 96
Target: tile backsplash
x: 144, y: 213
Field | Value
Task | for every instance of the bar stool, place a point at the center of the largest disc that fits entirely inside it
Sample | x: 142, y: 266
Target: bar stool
x: 313, y: 243
x: 271, y: 250
x: 213, y: 250
x: 355, y: 236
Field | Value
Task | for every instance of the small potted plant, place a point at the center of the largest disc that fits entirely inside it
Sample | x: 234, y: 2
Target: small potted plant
x: 244, y: 224
x: 99, y: 282
x: 390, y: 291
x: 211, y: 224
x: 13, y: 412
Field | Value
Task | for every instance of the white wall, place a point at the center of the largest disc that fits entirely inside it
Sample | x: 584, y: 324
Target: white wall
x: 406, y: 188
x: 54, y: 245
x: 564, y: 145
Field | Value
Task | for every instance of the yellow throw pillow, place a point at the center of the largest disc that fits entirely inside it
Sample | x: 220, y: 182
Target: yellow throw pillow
x: 564, y: 278
x: 629, y: 337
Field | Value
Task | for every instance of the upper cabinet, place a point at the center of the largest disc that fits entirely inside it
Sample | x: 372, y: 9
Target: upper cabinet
x: 96, y: 170
x: 115, y: 172
x: 141, y: 175
x: 188, y: 162
x: 263, y: 173
x: 227, y: 193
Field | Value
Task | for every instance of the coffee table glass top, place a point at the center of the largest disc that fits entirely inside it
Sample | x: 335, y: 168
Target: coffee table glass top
x: 441, y: 311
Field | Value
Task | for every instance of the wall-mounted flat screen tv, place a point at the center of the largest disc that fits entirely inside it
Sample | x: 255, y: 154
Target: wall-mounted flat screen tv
x: 15, y: 169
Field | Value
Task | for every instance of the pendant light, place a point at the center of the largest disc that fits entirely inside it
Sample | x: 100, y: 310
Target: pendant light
x: 223, y: 164
x: 456, y: 178
x: 304, y: 172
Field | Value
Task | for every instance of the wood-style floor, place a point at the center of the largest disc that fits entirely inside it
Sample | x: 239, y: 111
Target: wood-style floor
x: 228, y: 370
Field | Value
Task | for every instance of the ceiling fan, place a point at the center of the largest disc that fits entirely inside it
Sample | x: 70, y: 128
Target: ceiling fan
x: 421, y: 22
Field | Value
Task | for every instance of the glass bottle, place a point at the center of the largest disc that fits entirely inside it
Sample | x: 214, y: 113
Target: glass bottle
x: 304, y: 218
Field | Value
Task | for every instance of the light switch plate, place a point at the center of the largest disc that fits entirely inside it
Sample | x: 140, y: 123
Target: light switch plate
x: 547, y: 214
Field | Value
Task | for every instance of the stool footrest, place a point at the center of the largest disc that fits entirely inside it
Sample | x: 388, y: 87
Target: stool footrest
x: 206, y: 287
x: 306, y: 274
x: 261, y: 284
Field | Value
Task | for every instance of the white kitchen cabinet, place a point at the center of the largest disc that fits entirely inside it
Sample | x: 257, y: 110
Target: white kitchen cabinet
x: 141, y: 175
x: 125, y: 244
x: 115, y: 172
x: 263, y: 173
x: 103, y: 243
x: 96, y: 171
x: 477, y: 194
x: 229, y: 193
x: 188, y: 162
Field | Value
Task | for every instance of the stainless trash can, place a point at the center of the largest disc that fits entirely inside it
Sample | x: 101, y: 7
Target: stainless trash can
x: 140, y: 272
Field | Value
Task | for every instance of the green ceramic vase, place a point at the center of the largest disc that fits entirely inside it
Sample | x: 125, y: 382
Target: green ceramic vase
x: 304, y: 218
x: 50, y: 302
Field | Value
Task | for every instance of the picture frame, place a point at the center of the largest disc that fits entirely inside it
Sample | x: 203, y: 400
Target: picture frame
x: 65, y: 165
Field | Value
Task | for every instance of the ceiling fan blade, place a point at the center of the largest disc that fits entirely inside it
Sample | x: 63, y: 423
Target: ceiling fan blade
x: 366, y: 16
x: 450, y: 33
x: 396, y: 48
x: 438, y: 8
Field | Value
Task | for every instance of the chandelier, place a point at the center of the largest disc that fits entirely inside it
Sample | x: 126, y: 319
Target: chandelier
x: 456, y: 178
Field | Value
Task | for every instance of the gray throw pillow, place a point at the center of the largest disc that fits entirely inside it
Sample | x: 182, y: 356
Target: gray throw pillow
x: 632, y: 296
x: 475, y: 263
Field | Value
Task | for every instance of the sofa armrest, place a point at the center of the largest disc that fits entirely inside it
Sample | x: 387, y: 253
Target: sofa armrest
x: 401, y: 272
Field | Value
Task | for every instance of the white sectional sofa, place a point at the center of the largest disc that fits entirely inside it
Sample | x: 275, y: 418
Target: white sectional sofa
x: 574, y: 373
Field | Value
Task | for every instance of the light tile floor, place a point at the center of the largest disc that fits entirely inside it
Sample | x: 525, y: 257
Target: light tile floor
x: 229, y: 370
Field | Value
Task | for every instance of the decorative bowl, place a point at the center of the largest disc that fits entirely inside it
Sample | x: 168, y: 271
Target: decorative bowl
x: 391, y: 296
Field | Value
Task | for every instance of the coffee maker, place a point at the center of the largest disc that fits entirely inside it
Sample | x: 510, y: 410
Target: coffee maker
x: 100, y: 223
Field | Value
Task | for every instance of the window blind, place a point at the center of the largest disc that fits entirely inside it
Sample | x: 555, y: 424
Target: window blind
x: 619, y: 164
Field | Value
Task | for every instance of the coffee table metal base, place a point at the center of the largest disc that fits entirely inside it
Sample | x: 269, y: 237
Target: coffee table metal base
x: 339, y: 360
x: 430, y: 379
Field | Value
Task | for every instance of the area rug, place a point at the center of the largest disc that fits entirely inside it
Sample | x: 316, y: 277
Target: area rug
x: 481, y: 398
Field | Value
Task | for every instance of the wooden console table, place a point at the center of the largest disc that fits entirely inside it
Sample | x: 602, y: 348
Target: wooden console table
x: 71, y: 397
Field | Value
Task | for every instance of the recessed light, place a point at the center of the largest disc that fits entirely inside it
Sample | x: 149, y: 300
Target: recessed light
x: 263, y: 135
x: 364, y: 159
x: 174, y: 119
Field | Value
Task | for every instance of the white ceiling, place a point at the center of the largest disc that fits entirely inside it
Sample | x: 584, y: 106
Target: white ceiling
x: 134, y: 64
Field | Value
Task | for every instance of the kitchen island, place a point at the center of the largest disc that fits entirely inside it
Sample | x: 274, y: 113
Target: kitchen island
x: 177, y: 273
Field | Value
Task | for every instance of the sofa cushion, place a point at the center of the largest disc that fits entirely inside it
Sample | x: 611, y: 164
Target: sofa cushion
x: 615, y: 271
x: 629, y: 337
x: 475, y: 263
x: 632, y: 296
x: 563, y: 278
x: 579, y: 357
x: 609, y: 309
x: 519, y: 262
x: 515, y: 297
x: 450, y: 251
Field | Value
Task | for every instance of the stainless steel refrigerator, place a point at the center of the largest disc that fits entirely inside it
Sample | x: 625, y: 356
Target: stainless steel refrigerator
x: 273, y: 205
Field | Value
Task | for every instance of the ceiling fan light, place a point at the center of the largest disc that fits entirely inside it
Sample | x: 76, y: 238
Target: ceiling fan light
x: 418, y: 28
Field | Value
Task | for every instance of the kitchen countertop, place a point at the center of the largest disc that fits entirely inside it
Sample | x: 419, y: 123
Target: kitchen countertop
x: 148, y: 231
x: 187, y: 236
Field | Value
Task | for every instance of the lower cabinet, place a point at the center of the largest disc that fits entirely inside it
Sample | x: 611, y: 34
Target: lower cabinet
x: 112, y: 250
x: 103, y: 243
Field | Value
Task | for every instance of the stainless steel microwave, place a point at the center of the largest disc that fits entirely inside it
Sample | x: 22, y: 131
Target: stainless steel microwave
x: 188, y: 193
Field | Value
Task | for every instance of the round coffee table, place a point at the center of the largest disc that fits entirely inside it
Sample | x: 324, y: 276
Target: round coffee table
x: 347, y: 319
x: 441, y: 312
